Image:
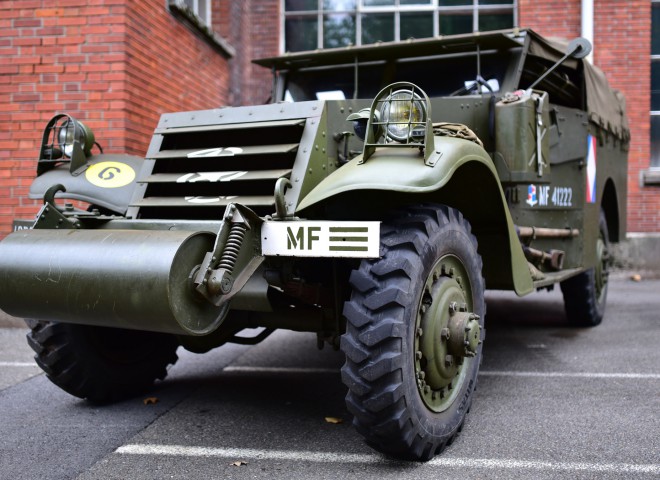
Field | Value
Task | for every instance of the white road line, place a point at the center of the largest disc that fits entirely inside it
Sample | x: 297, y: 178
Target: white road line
x: 18, y: 364
x: 247, y: 453
x: 333, y: 457
x: 485, y: 373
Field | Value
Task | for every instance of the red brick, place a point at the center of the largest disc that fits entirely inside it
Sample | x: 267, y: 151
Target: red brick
x: 49, y: 12
x: 26, y: 22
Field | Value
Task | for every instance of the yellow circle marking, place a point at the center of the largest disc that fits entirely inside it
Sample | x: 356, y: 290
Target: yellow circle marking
x: 110, y: 174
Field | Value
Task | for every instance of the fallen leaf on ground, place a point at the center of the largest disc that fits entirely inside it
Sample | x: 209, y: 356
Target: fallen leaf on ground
x: 334, y: 420
x: 238, y: 463
x: 150, y: 401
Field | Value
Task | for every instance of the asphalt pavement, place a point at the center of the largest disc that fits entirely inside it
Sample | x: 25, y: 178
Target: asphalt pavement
x: 552, y: 402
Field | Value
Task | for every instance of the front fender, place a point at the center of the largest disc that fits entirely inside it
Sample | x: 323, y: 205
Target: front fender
x: 108, y: 181
x: 400, y: 170
x: 462, y: 176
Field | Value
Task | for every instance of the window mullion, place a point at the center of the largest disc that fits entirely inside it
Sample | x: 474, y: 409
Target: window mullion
x: 397, y: 26
x: 319, y: 34
x: 359, y: 16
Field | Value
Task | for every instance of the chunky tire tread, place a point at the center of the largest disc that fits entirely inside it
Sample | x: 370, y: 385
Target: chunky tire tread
x: 376, y: 332
x: 581, y: 303
x: 79, y: 360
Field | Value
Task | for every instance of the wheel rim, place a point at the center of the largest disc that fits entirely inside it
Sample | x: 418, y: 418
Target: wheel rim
x: 447, y: 334
x: 602, y: 268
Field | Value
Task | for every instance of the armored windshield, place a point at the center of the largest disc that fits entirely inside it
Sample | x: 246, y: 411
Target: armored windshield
x: 440, y: 75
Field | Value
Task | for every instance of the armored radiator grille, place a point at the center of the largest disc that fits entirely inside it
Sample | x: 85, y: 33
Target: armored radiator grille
x: 198, y: 171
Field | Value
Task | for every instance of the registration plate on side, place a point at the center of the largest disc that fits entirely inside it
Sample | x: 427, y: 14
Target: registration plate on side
x: 321, y: 239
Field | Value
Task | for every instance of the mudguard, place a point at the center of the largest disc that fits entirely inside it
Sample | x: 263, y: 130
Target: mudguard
x: 108, y: 181
x: 463, y: 176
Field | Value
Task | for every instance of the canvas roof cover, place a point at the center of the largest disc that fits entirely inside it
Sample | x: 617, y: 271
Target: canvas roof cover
x: 605, y: 105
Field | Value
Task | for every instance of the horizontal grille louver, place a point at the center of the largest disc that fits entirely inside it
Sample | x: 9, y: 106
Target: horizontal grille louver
x: 199, y: 170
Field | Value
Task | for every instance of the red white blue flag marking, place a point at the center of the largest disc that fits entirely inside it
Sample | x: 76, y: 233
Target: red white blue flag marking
x: 591, y: 169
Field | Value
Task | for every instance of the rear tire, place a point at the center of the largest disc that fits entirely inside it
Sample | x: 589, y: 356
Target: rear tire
x: 408, y: 388
x: 585, y: 295
x: 100, y: 364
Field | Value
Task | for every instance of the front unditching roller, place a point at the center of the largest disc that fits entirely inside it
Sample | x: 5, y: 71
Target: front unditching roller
x: 166, y: 281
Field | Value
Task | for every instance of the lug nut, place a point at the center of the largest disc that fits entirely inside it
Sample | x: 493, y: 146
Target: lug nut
x: 444, y: 334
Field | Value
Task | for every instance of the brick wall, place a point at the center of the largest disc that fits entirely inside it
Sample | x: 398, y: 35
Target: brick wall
x: 114, y: 64
x: 53, y: 59
x: 265, y: 34
x: 119, y: 64
x: 254, y: 29
x: 622, y: 39
x: 552, y: 18
x: 168, y: 68
x: 623, y: 50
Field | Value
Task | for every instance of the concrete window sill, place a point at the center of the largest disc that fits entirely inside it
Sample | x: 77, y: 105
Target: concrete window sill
x: 187, y: 16
x: 651, y: 177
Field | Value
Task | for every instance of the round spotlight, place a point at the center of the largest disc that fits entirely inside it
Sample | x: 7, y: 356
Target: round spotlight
x: 71, y: 131
x: 403, y: 114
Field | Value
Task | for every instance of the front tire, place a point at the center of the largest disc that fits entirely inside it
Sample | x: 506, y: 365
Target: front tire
x: 585, y: 294
x: 100, y: 364
x: 413, y: 334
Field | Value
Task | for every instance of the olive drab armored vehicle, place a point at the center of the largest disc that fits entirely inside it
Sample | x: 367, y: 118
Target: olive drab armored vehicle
x: 373, y: 202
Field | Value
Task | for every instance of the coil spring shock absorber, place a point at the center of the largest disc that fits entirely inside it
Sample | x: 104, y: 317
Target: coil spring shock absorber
x: 232, y: 247
x: 221, y: 280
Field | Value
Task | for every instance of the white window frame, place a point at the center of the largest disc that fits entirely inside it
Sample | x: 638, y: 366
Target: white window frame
x: 654, y: 163
x: 361, y: 9
x: 193, y: 6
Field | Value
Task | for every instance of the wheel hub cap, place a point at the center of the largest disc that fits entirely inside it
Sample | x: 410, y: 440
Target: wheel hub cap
x: 447, y: 334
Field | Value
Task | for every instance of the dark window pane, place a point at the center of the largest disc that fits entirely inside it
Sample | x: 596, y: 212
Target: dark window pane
x: 655, y: 141
x: 298, y: 5
x: 416, y: 25
x: 338, y: 30
x: 495, y: 21
x: 378, y: 3
x: 453, y: 3
x: 495, y: 2
x: 338, y: 5
x: 655, y: 29
x: 377, y: 28
x: 655, y: 85
x: 453, y: 24
x: 301, y: 33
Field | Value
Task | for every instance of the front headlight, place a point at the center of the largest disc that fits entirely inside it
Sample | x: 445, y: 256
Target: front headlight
x: 404, y: 115
x: 72, y: 130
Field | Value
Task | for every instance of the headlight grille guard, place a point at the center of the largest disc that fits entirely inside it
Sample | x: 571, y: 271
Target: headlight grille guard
x: 374, y: 138
x: 50, y: 153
